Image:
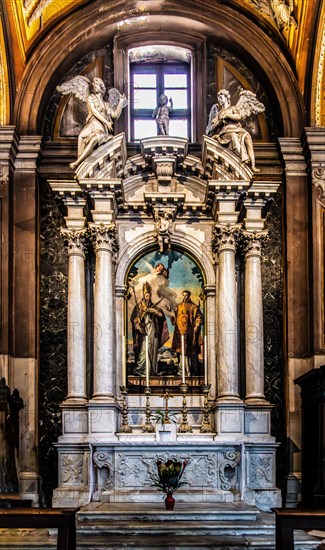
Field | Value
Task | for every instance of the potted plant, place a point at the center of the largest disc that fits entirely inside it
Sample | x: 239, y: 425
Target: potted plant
x: 164, y: 421
x: 169, y: 478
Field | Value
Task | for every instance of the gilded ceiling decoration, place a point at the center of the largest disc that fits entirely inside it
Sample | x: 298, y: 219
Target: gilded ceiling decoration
x: 292, y: 20
x: 4, y: 82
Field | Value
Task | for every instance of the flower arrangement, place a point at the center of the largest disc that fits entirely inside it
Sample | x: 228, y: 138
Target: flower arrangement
x: 169, y: 475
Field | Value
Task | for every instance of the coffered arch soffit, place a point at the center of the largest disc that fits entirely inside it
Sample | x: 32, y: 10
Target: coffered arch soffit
x: 91, y: 29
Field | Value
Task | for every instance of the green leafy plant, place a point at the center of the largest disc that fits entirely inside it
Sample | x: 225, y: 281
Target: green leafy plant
x: 160, y: 417
x: 169, y: 475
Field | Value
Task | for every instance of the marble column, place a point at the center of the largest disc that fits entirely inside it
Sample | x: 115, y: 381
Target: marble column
x: 254, y: 338
x: 76, y: 316
x: 227, y: 370
x: 105, y: 245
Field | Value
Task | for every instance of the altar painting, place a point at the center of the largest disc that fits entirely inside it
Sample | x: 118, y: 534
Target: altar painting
x: 165, y: 320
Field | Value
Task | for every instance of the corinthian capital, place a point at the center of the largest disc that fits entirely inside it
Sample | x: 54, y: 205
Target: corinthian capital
x: 225, y: 238
x: 253, y: 242
x: 104, y: 237
x: 75, y: 241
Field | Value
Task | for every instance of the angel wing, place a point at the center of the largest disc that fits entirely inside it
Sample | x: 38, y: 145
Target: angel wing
x: 248, y: 104
x: 79, y: 86
x: 212, y: 115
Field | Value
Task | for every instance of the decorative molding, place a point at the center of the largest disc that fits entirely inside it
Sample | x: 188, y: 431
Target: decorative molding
x: 104, y: 237
x: 75, y: 240
x: 225, y: 238
x: 261, y: 469
x: 253, y: 243
x: 72, y: 468
x: 318, y: 181
x: 4, y: 174
x: 319, y: 103
x: 232, y: 460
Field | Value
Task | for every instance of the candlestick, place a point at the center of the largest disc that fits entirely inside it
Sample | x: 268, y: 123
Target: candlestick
x: 205, y: 360
x: 183, y: 357
x: 125, y: 428
x: 184, y: 426
x: 147, y: 360
x: 148, y: 427
x: 124, y: 362
x: 206, y: 424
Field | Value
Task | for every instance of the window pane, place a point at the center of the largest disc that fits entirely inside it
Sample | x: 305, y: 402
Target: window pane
x: 144, y: 80
x: 144, y: 128
x: 179, y: 98
x: 178, y: 127
x: 144, y: 99
x: 175, y: 80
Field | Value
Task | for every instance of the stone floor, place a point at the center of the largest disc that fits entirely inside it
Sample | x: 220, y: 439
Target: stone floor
x: 144, y: 526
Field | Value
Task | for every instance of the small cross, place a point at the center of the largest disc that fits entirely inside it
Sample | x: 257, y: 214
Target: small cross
x: 166, y: 396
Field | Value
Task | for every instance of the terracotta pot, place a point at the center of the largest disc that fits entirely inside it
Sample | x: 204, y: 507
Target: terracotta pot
x: 169, y: 502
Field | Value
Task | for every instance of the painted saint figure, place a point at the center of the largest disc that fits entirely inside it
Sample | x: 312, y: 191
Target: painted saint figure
x: 148, y: 320
x: 161, y: 115
x: 188, y: 319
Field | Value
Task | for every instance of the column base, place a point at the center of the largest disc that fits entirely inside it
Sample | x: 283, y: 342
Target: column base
x: 103, y: 419
x: 229, y: 418
x: 102, y: 398
x: 256, y: 399
x: 75, y: 399
x: 29, y: 487
x: 229, y: 398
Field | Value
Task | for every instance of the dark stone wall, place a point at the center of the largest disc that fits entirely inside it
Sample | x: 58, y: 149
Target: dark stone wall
x: 53, y: 336
x: 273, y: 308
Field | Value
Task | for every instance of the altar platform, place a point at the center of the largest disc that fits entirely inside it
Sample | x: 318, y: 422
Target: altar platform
x: 146, y: 526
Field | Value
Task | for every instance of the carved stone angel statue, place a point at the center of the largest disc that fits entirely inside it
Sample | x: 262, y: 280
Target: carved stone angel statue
x: 225, y: 123
x: 163, y: 226
x: 99, y: 123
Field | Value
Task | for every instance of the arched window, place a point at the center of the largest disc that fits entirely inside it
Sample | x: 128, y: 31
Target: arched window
x: 145, y: 69
x: 148, y: 81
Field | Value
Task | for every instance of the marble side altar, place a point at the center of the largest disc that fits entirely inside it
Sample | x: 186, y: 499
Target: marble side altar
x: 166, y: 222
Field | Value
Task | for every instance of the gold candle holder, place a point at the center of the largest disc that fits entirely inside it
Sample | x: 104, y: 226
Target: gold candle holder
x: 184, y: 427
x: 125, y: 428
x: 148, y: 427
x: 206, y: 424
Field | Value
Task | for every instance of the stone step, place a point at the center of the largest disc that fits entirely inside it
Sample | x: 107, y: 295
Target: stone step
x: 190, y: 526
x: 190, y: 542
x: 176, y: 528
x: 155, y: 512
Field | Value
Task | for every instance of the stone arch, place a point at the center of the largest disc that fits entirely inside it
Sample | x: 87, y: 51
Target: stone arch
x: 91, y: 28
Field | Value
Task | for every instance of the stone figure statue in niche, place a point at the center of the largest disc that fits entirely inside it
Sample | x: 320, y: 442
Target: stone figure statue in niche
x: 225, y: 123
x: 282, y: 12
x: 101, y: 113
x: 163, y: 227
x: 188, y: 319
x: 161, y: 115
x: 148, y: 320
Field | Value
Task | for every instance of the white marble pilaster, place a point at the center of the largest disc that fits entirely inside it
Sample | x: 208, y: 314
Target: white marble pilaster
x: 105, y: 245
x: 76, y: 316
x: 210, y: 327
x: 121, y: 333
x: 254, y: 336
x: 227, y: 369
